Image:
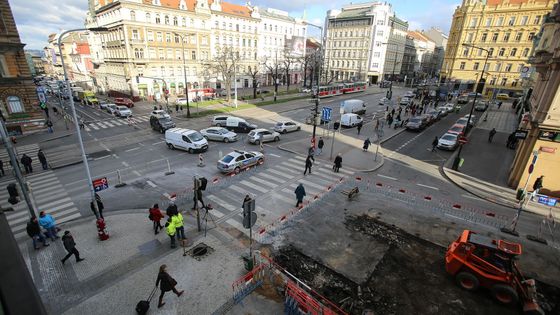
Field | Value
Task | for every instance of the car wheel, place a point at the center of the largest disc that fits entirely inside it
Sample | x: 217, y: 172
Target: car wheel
x: 505, y: 294
x: 260, y: 161
x: 276, y: 139
x: 467, y: 281
x: 190, y: 150
x: 237, y: 170
x: 226, y: 140
x: 257, y: 142
x: 218, y: 125
x: 284, y: 131
x: 161, y: 130
x: 170, y: 146
x: 298, y: 129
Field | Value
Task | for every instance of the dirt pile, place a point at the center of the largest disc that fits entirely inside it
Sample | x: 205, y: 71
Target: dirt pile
x: 409, y: 279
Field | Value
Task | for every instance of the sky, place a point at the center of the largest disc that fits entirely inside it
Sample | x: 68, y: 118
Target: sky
x: 36, y: 19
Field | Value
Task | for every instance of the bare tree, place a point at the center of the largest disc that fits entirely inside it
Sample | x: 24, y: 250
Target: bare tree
x: 288, y: 62
x: 223, y: 66
x: 274, y: 68
x: 253, y: 72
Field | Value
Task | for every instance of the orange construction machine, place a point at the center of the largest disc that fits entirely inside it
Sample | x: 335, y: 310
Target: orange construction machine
x: 478, y: 261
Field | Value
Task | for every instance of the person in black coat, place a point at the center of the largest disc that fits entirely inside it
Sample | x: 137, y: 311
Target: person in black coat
x: 171, y: 209
x: 70, y: 247
x: 34, y: 231
x: 308, y: 164
x: 43, y: 159
x: 166, y: 283
x: 26, y: 161
x: 337, y: 163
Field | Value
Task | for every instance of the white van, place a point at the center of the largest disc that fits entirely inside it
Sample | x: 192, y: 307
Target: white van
x: 185, y: 139
x: 237, y: 124
x: 350, y: 120
x: 353, y: 107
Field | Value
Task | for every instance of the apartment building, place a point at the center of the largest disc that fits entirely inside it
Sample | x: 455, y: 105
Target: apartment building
x: 364, y: 42
x: 506, y: 29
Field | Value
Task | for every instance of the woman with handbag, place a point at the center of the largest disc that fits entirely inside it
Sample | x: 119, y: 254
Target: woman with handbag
x: 166, y: 283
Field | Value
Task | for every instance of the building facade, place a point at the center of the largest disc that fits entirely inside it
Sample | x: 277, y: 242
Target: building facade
x: 542, y: 121
x: 506, y: 28
x: 440, y: 40
x: 419, y: 60
x: 364, y: 42
x: 19, y: 104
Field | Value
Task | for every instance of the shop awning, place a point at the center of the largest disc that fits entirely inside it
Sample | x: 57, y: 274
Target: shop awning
x: 172, y: 84
x: 181, y: 85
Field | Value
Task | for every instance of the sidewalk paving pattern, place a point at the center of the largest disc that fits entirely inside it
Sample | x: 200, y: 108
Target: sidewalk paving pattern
x: 49, y: 195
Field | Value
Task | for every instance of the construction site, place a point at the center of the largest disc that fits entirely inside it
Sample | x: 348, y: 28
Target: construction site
x: 349, y: 256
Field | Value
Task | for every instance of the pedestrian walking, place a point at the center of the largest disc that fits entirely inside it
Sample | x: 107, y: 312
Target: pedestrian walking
x: 308, y: 164
x: 171, y: 209
x: 50, y: 126
x: 177, y: 221
x: 100, y: 206
x: 43, y: 159
x: 359, y: 127
x: 537, y: 186
x: 34, y: 231
x: 245, y: 200
x: 166, y: 283
x: 171, y: 231
x: 300, y: 194
x: 376, y: 124
x: 155, y: 216
x: 491, y: 135
x: 499, y: 104
x: 337, y: 163
x: 320, y: 146
x: 47, y: 222
x: 2, y: 168
x: 82, y: 124
x: 70, y: 246
x: 311, y: 153
x: 26, y: 161
x: 366, y: 144
x: 434, y: 144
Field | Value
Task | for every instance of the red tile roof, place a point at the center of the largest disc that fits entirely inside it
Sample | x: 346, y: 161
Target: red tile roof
x: 229, y: 8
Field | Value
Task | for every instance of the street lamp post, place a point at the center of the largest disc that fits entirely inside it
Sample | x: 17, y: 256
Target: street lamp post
x: 457, y: 160
x: 316, y: 112
x: 183, y: 37
x: 76, y: 123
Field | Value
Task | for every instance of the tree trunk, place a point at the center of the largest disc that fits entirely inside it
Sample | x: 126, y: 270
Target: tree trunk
x: 287, y: 81
x: 311, y: 78
x: 255, y: 87
x: 275, y: 85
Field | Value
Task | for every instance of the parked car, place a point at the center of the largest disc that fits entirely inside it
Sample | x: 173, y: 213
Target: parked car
x: 384, y: 101
x: 123, y: 112
x: 111, y: 109
x: 185, y: 139
x: 448, y: 141
x: 350, y: 120
x: 219, y: 134
x: 450, y: 107
x: 416, y: 123
x: 239, y: 125
x: 238, y: 160
x: 124, y: 102
x: 442, y: 111
x: 463, y: 121
x: 257, y: 136
x: 435, y: 114
x: 463, y: 99
x: 161, y: 121
x: 219, y: 121
x: 502, y: 96
x: 103, y: 105
x: 481, y: 106
x: 457, y: 129
x: 287, y: 126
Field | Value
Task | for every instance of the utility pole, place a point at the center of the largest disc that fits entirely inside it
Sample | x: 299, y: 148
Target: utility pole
x: 183, y: 37
x: 313, y: 142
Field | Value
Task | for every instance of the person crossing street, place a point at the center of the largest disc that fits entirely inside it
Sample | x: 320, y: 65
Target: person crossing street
x: 26, y: 161
x: 491, y: 135
x: 308, y: 164
x: 434, y: 144
x: 320, y: 146
x: 300, y: 194
x: 43, y: 159
x: 337, y: 163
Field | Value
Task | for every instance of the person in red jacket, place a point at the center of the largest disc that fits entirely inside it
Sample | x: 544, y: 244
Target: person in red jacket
x: 156, y: 216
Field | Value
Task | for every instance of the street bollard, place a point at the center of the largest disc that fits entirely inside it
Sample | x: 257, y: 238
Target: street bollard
x: 120, y: 183
x: 200, y: 160
x: 169, y: 171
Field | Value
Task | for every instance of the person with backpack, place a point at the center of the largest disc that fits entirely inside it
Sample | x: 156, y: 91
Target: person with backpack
x: 34, y: 231
x: 166, y: 283
x: 155, y: 216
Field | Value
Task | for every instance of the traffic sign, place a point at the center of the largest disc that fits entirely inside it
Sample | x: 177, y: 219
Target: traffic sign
x: 326, y: 113
x: 249, y: 215
x: 549, y: 201
x: 100, y: 183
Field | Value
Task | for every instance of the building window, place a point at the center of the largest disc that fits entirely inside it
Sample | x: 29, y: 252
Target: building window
x: 494, y: 37
x: 175, y: 21
x: 483, y: 37
x: 476, y: 65
x: 135, y: 34
x: 379, y: 33
x: 375, y: 65
x: 376, y: 54
x: 462, y: 66
x: 504, y: 81
x: 498, y: 67
x: 168, y: 37
x: 508, y: 67
x: 159, y: 37
x: 537, y: 20
x: 158, y: 19
x: 525, y: 52
x: 132, y: 16
x: 465, y: 52
x: 488, y: 22
x: 511, y: 21
x: 490, y: 52
x: 14, y: 104
x: 493, y: 81
x: 148, y: 18
x: 531, y: 36
x: 193, y: 55
x: 176, y: 37
x: 514, y: 83
x: 470, y: 37
x: 500, y: 21
x: 519, y: 67
x: 513, y: 52
x: 166, y: 19
x: 178, y: 54
x: 150, y: 36
x: 474, y: 21
x: 152, y: 52
x: 506, y: 37
x: 501, y: 52
x: 169, y: 53
x: 161, y: 53
x: 184, y: 22
x: 518, y: 36
x: 524, y: 20
x: 380, y: 22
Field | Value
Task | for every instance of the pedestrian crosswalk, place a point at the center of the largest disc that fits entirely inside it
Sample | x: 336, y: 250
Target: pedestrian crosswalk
x: 273, y: 191
x: 29, y: 149
x: 48, y: 195
x: 104, y: 124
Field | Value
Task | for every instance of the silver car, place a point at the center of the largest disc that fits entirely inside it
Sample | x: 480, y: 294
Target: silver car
x: 123, y: 111
x: 111, y: 109
x: 286, y: 126
x: 219, y: 134
x: 236, y: 161
x: 257, y: 136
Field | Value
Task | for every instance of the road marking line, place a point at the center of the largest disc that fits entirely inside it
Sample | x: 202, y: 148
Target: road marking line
x: 125, y: 164
x: 431, y: 187
x: 115, y: 156
x: 388, y: 177
x: 276, y: 155
x: 137, y: 173
x: 133, y: 149
x: 101, y: 158
x: 150, y: 183
x: 156, y: 143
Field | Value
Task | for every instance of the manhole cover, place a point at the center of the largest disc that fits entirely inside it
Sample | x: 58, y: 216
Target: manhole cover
x: 200, y: 251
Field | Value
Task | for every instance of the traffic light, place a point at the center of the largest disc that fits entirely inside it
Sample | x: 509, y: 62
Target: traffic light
x: 336, y: 125
x: 249, y: 215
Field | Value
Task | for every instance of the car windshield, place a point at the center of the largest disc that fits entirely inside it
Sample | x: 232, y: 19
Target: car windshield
x: 165, y: 120
x: 195, y: 136
x: 279, y: 124
x: 228, y: 158
x: 415, y: 120
x: 462, y: 121
x: 456, y: 128
x: 448, y: 138
x: 222, y: 131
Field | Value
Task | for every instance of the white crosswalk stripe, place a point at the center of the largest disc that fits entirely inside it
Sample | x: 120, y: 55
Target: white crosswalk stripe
x: 49, y: 196
x: 104, y: 124
x: 273, y: 189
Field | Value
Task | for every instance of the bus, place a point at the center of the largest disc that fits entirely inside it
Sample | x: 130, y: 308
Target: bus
x: 354, y: 87
x: 330, y: 90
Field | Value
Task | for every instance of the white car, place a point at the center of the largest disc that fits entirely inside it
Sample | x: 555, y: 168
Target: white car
x: 259, y: 135
x: 286, y: 126
x: 404, y: 101
x: 219, y: 134
x: 104, y: 105
x: 238, y: 160
x: 442, y: 110
x: 181, y: 101
x: 111, y: 109
x: 123, y: 111
x: 450, y: 107
x: 384, y: 101
x: 448, y: 141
